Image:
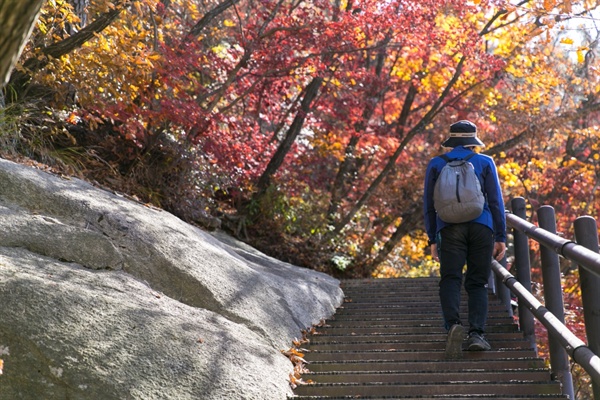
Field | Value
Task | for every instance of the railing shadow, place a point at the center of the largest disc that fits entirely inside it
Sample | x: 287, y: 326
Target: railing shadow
x: 562, y: 342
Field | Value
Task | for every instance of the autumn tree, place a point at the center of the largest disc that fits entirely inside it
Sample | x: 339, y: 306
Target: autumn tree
x: 17, y: 19
x: 306, y: 126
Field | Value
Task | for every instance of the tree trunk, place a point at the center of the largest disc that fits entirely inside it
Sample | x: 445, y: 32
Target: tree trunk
x: 286, y: 144
x: 17, y: 18
x: 427, y: 118
x: 410, y: 219
x: 338, y: 191
x: 19, y: 79
x: 343, y: 180
x: 248, y: 50
x: 209, y: 16
x: 375, y: 184
x: 408, y: 101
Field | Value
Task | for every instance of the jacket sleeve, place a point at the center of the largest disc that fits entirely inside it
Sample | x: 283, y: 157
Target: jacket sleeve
x: 493, y: 192
x: 429, y: 211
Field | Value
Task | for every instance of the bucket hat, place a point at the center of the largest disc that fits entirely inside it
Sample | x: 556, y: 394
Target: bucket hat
x: 463, y: 133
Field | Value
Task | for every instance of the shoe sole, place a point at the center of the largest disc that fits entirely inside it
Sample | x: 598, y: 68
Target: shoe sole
x: 477, y: 347
x: 454, y: 342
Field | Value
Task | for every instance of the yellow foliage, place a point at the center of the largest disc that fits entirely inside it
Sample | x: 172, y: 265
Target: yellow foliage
x: 409, y: 259
x: 387, y: 271
x: 329, y: 144
x: 118, y: 62
x: 509, y: 173
x: 220, y: 50
x: 580, y: 56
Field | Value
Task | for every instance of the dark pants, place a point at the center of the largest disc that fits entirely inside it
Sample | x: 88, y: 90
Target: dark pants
x: 473, y: 244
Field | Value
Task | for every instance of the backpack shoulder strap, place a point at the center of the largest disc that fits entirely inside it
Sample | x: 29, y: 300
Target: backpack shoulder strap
x: 467, y: 158
x: 448, y: 159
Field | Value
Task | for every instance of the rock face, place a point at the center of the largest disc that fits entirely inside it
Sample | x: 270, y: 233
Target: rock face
x: 104, y: 298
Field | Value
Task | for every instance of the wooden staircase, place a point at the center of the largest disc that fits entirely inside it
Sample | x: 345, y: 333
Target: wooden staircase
x: 387, y: 342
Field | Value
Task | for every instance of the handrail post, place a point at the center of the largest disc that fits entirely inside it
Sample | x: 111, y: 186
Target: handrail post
x: 493, y: 284
x: 498, y: 288
x: 523, y: 271
x: 503, y: 291
x: 553, y: 297
x: 586, y: 234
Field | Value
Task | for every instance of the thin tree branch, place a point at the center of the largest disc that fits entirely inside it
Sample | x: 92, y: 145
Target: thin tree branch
x: 209, y: 16
x: 392, y: 160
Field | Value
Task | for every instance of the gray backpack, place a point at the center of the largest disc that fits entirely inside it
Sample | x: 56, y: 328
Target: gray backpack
x: 457, y: 195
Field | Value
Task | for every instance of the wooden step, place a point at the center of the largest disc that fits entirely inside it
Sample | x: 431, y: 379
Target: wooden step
x: 473, y: 366
x: 431, y: 321
x: 401, y: 307
x: 400, y: 390
x: 408, y: 337
x: 437, y: 397
x: 399, y: 329
x: 530, y: 375
x: 366, y: 345
x: 405, y: 355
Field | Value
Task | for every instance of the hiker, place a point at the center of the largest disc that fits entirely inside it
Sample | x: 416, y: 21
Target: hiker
x: 473, y: 242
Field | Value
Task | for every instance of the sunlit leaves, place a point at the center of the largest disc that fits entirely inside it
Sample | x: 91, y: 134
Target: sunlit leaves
x: 549, y: 5
x: 296, y: 356
x: 566, y: 40
x: 230, y: 94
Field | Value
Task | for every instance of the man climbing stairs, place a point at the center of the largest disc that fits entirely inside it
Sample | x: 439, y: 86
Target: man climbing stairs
x: 387, y: 341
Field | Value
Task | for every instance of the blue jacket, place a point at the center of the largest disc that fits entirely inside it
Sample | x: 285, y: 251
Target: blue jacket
x: 493, y: 212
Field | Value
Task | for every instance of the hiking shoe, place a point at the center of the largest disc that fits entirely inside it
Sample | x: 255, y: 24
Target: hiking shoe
x: 477, y: 342
x: 456, y: 335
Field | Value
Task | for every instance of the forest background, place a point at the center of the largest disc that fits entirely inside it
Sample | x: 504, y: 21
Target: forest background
x: 304, y: 127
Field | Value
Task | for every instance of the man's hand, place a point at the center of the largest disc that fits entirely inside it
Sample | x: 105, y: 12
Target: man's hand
x: 499, y: 250
x: 434, y: 252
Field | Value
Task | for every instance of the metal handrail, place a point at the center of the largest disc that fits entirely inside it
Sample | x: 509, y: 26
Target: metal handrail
x: 561, y: 340
x: 574, y: 346
x: 566, y: 248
